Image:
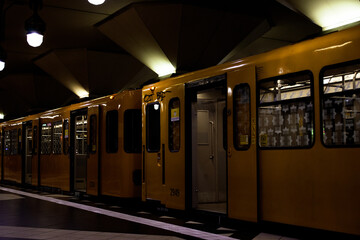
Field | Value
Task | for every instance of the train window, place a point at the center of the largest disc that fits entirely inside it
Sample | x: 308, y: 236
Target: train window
x: 340, y: 104
x: 57, y: 136
x: 286, y: 112
x: 19, y: 141
x: 46, y: 138
x: 132, y: 131
x: 242, y: 117
x: 7, y: 143
x: 35, y: 140
x: 66, y: 136
x: 112, y: 131
x: 14, y: 142
x: 93, y: 135
x: 174, y: 125
x: 153, y: 127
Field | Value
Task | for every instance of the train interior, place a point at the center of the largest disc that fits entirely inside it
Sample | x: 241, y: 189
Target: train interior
x: 79, y: 151
x: 208, y: 150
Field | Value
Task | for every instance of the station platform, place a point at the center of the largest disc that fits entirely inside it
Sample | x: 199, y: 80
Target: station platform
x: 33, y: 214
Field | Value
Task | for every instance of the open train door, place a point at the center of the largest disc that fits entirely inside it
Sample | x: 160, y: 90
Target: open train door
x: 242, y: 150
x: 93, y: 166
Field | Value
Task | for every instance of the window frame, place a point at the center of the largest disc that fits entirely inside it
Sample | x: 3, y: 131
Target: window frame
x: 323, y: 95
x: 310, y: 99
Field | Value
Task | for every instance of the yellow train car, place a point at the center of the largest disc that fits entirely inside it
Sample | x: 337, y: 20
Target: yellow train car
x: 92, y: 147
x: 19, y: 157
x: 273, y: 137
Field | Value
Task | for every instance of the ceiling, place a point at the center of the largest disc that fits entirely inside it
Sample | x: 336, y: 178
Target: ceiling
x: 98, y: 50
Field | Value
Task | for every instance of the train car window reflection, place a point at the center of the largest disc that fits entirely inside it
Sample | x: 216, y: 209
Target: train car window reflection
x: 57, y: 137
x: 242, y: 117
x: 174, y: 125
x: 66, y: 136
x: 153, y: 127
x: 46, y: 138
x: 93, y: 134
x: 340, y: 104
x: 112, y: 131
x: 132, y: 131
x: 285, y: 115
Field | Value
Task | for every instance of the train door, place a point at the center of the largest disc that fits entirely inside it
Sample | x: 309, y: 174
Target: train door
x: 242, y: 150
x: 79, y: 150
x: 94, y: 155
x: 208, y: 152
x: 153, y: 165
x: 163, y: 153
x: 28, y: 153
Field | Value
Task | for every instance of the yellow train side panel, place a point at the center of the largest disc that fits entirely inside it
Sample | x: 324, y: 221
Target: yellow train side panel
x: 117, y: 168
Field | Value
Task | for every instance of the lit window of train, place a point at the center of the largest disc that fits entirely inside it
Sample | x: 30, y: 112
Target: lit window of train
x: 14, y: 142
x: 341, y: 105
x: 46, y: 138
x: 57, y: 137
x: 7, y: 143
x: 286, y: 111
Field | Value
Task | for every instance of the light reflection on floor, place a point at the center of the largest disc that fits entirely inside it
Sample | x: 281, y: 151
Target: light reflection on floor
x: 48, y: 233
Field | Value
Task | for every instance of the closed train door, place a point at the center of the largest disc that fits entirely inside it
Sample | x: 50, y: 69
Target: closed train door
x: 242, y: 150
x: 152, y: 162
x: 93, y: 158
x: 79, y: 148
x: 207, y: 105
x: 163, y: 146
x: 28, y: 153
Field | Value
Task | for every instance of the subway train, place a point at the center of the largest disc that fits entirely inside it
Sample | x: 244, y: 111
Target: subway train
x: 273, y: 137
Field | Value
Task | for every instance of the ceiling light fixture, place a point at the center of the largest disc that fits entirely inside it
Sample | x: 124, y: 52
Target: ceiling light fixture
x: 96, y: 2
x: 35, y: 26
x: 2, y: 58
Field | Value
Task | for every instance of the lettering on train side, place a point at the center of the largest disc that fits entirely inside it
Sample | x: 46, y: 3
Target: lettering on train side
x: 174, y: 192
x: 161, y: 95
x: 148, y: 97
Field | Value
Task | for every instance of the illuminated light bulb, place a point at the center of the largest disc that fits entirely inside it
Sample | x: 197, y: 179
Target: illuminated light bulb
x: 156, y: 106
x: 2, y: 65
x: 96, y: 2
x: 34, y: 39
